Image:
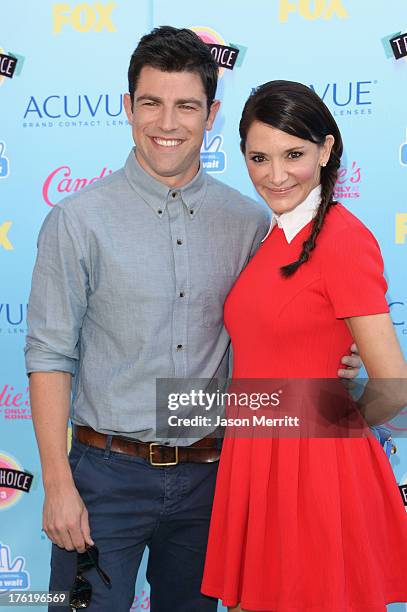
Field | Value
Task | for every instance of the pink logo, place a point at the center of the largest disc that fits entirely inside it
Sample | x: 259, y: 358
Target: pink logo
x: 348, y: 182
x: 14, y: 406
x: 60, y: 182
x: 141, y: 602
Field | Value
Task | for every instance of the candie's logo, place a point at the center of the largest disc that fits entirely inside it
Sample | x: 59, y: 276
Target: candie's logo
x: 312, y: 9
x: 60, y: 183
x: 227, y: 56
x: 83, y: 17
x: 401, y: 228
x: 348, y: 182
x: 14, y: 406
x: 11, y: 65
x: 13, y: 481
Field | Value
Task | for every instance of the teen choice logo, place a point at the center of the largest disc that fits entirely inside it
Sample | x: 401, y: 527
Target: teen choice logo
x: 208, y: 35
x: 2, y: 78
x: 10, y: 65
x: 403, y: 490
x: 227, y: 55
x: 14, y: 481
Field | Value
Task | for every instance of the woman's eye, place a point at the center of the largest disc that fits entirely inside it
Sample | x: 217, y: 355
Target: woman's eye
x: 257, y: 158
x: 294, y: 154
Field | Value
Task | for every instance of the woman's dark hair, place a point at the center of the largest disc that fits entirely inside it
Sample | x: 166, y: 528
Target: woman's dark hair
x: 297, y: 110
x: 174, y: 50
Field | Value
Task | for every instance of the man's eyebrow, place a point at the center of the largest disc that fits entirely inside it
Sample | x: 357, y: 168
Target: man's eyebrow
x: 190, y: 101
x: 147, y: 96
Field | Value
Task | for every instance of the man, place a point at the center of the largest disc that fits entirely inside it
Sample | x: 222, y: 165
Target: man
x: 128, y: 287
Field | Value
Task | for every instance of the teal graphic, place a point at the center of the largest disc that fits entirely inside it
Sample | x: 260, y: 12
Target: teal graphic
x: 12, y: 574
x: 212, y: 157
x: 4, y: 162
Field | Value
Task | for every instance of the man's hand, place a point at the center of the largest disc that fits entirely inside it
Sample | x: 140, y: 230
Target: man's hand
x: 65, y: 518
x: 353, y: 363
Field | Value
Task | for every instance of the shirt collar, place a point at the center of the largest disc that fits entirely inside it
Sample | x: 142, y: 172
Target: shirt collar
x: 157, y: 195
x: 293, y: 221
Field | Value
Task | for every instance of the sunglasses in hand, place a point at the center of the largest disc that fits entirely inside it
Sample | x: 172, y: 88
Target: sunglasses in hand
x: 81, y: 593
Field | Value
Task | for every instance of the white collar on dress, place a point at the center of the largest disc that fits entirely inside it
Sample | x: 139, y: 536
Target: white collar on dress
x: 294, y: 220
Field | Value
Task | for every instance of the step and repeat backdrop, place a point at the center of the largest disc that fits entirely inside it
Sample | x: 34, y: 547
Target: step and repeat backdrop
x: 63, y: 70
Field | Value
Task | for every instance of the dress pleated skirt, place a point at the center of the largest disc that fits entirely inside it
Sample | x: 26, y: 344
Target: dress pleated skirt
x: 304, y: 525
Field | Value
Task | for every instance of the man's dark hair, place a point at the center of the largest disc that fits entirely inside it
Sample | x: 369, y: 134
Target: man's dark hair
x: 174, y: 50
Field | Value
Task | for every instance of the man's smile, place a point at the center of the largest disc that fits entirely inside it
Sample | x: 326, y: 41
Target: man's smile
x: 166, y: 142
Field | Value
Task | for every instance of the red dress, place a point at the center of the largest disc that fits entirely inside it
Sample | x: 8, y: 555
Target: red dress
x: 306, y: 525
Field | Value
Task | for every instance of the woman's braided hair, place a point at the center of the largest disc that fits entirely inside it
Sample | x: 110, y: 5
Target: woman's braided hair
x: 297, y: 110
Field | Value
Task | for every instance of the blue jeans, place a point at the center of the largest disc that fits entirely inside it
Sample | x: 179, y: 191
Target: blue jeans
x: 131, y: 505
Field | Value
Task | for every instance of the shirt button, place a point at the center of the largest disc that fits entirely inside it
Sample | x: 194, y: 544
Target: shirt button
x: 191, y: 212
x: 160, y: 212
x: 179, y: 347
x: 174, y: 194
x: 181, y: 294
x: 179, y: 241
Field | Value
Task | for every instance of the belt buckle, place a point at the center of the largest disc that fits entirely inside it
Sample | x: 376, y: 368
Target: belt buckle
x: 155, y: 463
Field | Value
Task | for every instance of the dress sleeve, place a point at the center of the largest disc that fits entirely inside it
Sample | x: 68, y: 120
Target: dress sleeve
x: 353, y: 274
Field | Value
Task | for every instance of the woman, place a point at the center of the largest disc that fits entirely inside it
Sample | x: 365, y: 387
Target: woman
x: 306, y: 524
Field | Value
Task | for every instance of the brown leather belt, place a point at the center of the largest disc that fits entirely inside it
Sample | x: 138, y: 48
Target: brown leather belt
x: 203, y: 451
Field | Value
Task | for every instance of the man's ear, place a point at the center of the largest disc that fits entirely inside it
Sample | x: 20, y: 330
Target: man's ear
x: 128, y: 107
x: 215, y: 106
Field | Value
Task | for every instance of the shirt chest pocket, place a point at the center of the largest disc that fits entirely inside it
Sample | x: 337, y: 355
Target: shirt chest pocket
x: 213, y: 299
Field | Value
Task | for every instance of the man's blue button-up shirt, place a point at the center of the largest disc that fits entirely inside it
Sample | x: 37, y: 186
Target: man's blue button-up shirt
x: 129, y: 286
